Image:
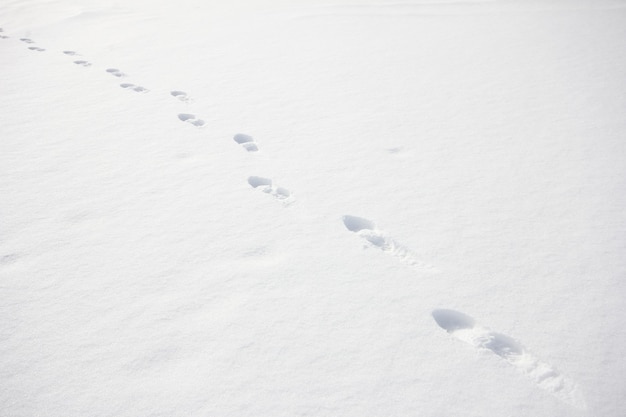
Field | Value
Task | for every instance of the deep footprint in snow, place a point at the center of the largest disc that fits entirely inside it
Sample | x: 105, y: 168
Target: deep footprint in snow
x: 247, y: 142
x: 133, y: 87
x: 83, y: 63
x: 181, y: 95
x: 190, y: 118
x: 27, y: 40
x: 368, y: 231
x: 464, y: 328
x: 267, y: 186
x: 36, y: 48
x: 115, y: 72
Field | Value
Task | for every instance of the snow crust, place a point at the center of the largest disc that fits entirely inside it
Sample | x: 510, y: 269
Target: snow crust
x: 287, y: 208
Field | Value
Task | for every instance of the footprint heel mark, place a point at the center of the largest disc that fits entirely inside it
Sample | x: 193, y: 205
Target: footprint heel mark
x: 190, y: 118
x: 133, y: 87
x: 267, y: 186
x: 83, y: 63
x: 545, y: 376
x: 368, y: 231
x: 36, y: 48
x: 181, y: 95
x: 247, y: 142
x: 115, y: 72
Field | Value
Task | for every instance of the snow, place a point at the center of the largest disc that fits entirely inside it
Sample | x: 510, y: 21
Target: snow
x: 290, y: 208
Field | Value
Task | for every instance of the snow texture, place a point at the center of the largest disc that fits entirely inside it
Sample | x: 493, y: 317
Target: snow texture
x: 286, y: 208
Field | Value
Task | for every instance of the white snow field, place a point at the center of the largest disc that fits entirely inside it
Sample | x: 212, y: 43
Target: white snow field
x: 295, y: 208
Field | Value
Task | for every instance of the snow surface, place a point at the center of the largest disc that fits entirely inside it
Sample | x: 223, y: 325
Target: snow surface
x: 288, y: 208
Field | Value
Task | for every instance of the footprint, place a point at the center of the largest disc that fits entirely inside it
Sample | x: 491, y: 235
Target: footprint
x: 83, y: 63
x: 27, y: 40
x: 36, y: 48
x: 464, y: 328
x: 181, y: 95
x: 134, y: 87
x: 71, y: 53
x: 247, y: 142
x: 367, y: 230
x: 115, y: 72
x: 4, y: 37
x: 266, y: 185
x: 190, y: 118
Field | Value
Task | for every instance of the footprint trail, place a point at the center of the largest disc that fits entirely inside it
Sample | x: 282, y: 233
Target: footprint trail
x: 368, y: 231
x: 247, y: 142
x: 464, y: 328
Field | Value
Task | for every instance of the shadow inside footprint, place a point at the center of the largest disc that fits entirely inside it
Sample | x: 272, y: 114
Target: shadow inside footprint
x: 452, y: 321
x: 190, y: 118
x: 356, y: 224
x: 259, y: 182
x: 115, y: 72
x: 246, y: 141
x: 503, y: 345
x: 134, y: 87
x: 181, y: 95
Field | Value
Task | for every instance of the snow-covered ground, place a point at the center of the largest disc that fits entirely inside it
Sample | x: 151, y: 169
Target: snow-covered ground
x: 292, y: 208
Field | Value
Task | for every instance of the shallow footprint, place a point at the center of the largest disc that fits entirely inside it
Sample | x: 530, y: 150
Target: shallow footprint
x: 27, y: 40
x: 190, y: 118
x: 134, y: 87
x: 464, y: 328
x: 368, y: 231
x: 83, y: 63
x: 266, y: 185
x: 36, y: 48
x: 115, y: 72
x: 247, y: 142
x: 181, y: 95
x: 71, y: 53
